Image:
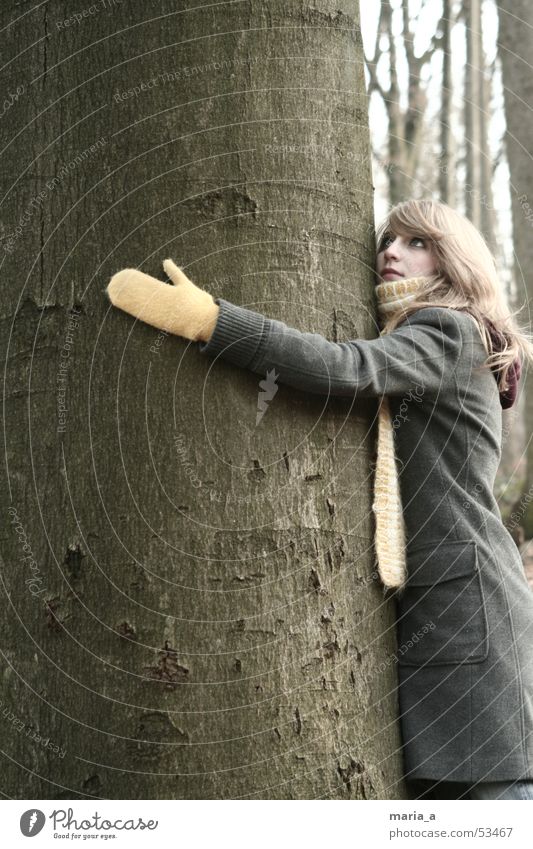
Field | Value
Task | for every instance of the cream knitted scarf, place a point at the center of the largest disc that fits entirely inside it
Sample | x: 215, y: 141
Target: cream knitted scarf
x: 387, y: 505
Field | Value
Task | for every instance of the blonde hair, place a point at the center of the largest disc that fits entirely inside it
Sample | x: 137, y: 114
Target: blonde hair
x: 466, y: 277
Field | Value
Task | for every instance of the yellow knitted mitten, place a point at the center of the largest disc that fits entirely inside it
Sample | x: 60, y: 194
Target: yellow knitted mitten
x: 182, y: 309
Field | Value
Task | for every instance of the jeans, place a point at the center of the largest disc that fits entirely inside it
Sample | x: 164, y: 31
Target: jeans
x: 511, y: 789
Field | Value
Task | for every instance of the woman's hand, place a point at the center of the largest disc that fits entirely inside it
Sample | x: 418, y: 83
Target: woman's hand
x: 182, y: 309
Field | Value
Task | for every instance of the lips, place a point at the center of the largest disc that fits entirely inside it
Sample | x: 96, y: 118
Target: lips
x: 387, y: 271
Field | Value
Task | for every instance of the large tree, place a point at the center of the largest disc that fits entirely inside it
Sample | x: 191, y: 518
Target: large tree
x: 190, y: 604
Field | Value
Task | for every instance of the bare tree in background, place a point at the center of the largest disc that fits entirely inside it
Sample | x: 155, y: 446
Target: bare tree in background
x: 405, y: 125
x: 447, y: 138
x: 515, y: 43
x: 477, y: 112
x: 488, y: 164
x: 418, y: 159
x: 472, y: 109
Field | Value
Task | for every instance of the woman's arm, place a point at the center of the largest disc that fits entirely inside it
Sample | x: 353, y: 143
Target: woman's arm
x: 422, y: 352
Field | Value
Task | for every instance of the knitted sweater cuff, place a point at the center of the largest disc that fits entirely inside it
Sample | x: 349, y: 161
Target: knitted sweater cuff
x: 237, y: 335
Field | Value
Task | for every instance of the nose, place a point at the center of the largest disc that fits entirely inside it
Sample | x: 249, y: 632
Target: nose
x: 392, y: 251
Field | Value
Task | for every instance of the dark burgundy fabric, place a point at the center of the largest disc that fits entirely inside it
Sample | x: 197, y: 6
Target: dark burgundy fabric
x: 508, y: 397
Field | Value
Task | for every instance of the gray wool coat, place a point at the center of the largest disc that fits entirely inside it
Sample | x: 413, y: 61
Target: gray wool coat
x: 465, y: 618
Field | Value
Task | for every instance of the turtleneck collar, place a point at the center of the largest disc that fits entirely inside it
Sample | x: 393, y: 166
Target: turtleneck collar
x: 393, y: 294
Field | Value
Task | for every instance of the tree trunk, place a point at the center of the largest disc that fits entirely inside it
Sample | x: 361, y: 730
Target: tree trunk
x: 473, y: 105
x: 514, y: 47
x: 191, y: 608
x: 488, y: 218
x: 447, y: 139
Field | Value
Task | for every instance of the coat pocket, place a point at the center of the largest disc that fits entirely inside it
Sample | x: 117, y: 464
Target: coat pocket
x: 442, y: 617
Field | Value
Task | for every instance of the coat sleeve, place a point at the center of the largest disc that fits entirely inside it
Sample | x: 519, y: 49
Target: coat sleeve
x: 422, y: 352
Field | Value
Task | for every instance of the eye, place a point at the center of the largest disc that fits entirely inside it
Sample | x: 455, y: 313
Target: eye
x: 419, y: 239
x: 387, y: 238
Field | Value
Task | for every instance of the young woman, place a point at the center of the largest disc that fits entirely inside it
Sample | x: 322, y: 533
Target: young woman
x: 465, y: 610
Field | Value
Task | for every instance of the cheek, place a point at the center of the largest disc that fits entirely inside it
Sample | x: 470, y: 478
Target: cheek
x: 425, y: 261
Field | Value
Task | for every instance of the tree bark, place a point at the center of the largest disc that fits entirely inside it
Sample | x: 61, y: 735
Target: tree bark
x: 191, y: 608
x: 514, y: 48
x: 473, y: 105
x: 447, y: 139
x: 488, y: 218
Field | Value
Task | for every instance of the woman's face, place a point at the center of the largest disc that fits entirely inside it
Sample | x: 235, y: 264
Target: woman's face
x: 404, y: 256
